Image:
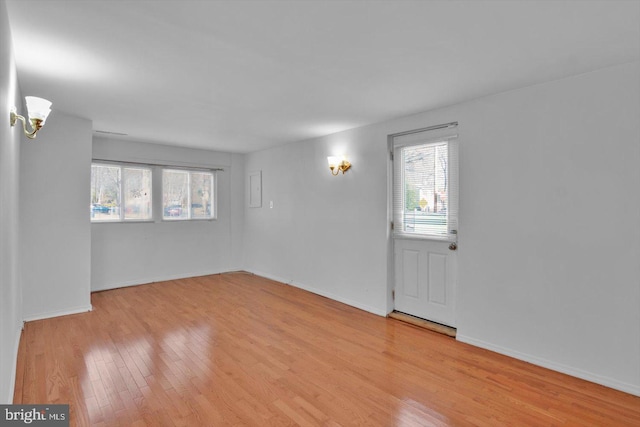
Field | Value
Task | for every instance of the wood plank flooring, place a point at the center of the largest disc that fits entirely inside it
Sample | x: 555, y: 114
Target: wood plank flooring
x: 237, y: 349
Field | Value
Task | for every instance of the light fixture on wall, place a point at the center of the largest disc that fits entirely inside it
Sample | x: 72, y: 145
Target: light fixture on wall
x: 38, y: 109
x: 338, y: 164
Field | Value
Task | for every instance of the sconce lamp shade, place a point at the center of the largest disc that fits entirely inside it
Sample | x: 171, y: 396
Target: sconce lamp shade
x: 39, y: 108
x: 338, y: 164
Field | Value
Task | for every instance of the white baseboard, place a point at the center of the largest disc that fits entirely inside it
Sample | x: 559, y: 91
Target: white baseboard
x: 65, y: 312
x: 321, y: 292
x: 154, y: 279
x: 569, y: 370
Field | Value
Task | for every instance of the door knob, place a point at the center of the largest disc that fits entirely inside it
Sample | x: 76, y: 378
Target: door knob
x: 453, y: 246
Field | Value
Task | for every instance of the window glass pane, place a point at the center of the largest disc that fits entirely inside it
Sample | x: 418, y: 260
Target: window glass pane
x: 426, y: 189
x: 137, y: 194
x: 175, y: 194
x: 105, y: 193
x: 201, y: 195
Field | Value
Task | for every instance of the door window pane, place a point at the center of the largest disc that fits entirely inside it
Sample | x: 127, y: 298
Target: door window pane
x: 425, y: 189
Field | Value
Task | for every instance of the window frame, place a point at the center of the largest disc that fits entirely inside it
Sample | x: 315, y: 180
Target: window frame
x: 422, y: 138
x: 190, y: 171
x: 121, y: 202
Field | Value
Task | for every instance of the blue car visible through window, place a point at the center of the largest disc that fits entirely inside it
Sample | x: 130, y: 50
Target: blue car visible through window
x: 173, y: 210
x: 95, y: 207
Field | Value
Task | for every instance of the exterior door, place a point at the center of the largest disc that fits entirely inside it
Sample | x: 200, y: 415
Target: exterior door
x: 425, y: 223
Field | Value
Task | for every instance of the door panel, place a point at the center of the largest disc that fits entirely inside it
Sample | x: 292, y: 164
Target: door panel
x: 410, y: 265
x: 437, y: 283
x: 425, y: 279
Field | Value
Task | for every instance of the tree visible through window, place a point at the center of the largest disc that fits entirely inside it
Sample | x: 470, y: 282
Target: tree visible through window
x: 120, y: 193
x: 187, y: 194
x: 423, y: 191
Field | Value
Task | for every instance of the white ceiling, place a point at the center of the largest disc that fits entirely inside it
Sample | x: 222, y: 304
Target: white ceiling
x: 245, y: 75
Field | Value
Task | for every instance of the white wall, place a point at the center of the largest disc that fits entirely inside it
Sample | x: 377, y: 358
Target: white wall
x: 549, y: 230
x: 10, y: 290
x: 550, y: 271
x: 324, y: 233
x: 125, y: 254
x: 55, y: 232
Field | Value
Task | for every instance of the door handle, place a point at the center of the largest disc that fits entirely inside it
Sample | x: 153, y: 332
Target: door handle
x: 453, y: 247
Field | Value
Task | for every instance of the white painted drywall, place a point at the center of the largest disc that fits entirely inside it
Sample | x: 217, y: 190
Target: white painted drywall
x: 549, y: 227
x: 10, y: 290
x: 124, y: 254
x: 55, y: 232
x: 324, y: 233
x: 550, y: 232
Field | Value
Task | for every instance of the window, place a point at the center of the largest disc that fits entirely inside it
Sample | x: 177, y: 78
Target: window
x: 120, y: 193
x: 187, y: 194
x: 425, y: 188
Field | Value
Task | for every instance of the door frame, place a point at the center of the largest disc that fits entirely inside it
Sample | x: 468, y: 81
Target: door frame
x: 390, y: 240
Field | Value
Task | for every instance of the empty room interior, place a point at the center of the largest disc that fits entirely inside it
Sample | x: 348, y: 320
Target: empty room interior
x: 385, y: 213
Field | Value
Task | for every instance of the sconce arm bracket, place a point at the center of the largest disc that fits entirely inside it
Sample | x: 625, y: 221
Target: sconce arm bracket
x: 36, y: 124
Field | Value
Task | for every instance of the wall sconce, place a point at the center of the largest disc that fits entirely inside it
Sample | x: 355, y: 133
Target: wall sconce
x: 337, y: 165
x: 38, y: 109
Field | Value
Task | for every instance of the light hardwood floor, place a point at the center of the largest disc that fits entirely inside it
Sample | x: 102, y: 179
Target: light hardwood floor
x: 237, y: 349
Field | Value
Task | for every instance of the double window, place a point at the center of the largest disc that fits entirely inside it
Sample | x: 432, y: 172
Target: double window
x: 187, y: 194
x: 123, y: 192
x: 120, y: 193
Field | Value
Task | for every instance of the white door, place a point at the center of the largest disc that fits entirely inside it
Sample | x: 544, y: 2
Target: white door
x: 425, y: 223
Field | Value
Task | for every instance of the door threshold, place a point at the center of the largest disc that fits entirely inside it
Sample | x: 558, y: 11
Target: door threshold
x: 422, y: 323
